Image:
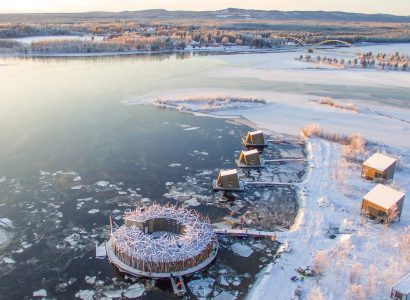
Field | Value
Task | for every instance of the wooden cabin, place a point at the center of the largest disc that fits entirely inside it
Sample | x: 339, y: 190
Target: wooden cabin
x: 228, y: 180
x: 382, y: 202
x: 401, y: 290
x: 254, y: 139
x: 379, y: 166
x: 249, y: 159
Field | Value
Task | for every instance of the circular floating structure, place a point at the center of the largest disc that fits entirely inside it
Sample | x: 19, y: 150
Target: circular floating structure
x: 162, y: 241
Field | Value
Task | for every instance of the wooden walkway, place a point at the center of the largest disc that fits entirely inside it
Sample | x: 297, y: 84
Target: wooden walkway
x: 179, y: 288
x: 269, y: 183
x: 284, y: 142
x: 268, y: 161
x: 246, y: 233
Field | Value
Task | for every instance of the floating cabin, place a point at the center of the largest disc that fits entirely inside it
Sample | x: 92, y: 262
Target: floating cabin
x: 379, y: 166
x: 227, y: 180
x: 249, y: 159
x: 254, y: 139
x: 401, y: 290
x: 382, y: 202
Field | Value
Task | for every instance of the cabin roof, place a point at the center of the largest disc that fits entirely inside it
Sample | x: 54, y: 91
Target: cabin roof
x: 379, y: 161
x: 257, y: 132
x: 250, y: 152
x: 228, y: 172
x: 403, y: 286
x: 383, y: 196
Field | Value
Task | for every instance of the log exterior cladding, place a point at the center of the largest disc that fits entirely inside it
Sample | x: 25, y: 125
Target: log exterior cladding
x: 163, y: 267
x: 163, y: 239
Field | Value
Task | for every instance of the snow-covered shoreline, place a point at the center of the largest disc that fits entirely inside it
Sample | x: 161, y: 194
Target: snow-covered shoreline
x: 330, y: 196
x: 210, y: 50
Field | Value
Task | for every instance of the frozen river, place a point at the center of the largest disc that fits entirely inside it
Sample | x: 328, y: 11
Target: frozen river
x: 72, y: 154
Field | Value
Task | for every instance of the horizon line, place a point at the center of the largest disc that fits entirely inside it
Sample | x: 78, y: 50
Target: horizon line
x: 198, y: 11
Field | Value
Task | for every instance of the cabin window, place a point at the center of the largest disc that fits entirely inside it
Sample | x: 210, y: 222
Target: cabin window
x: 381, y: 214
x: 378, y: 175
x: 230, y: 184
x: 252, y: 162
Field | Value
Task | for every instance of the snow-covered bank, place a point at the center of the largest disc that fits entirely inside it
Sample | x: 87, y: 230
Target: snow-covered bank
x: 331, y: 200
x: 215, y: 50
x: 288, y: 113
x: 332, y: 195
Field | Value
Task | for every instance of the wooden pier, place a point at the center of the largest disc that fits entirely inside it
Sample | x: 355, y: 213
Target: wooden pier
x: 269, y: 183
x: 246, y: 233
x: 178, y: 287
x: 280, y: 141
x: 279, y: 160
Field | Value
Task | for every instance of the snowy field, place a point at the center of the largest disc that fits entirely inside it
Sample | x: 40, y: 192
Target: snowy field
x: 364, y: 258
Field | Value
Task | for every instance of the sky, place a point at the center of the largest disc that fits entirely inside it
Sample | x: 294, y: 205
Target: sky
x: 397, y: 7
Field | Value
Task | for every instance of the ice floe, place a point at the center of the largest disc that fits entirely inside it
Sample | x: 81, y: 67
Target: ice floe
x: 3, y: 238
x: 77, y: 187
x: 85, y: 294
x: 191, y: 128
x: 40, y: 293
x: 173, y: 165
x: 93, y: 211
x: 6, y: 223
x: 224, y: 296
x: 113, y: 294
x: 9, y: 260
x: 201, y: 287
x: 90, y: 279
x: 2, y: 179
x: 134, y: 291
x: 241, y: 249
x: 102, y: 183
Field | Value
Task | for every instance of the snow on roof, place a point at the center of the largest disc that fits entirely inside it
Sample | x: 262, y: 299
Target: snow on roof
x: 403, y: 286
x: 256, y: 132
x: 379, y: 161
x: 384, y: 196
x: 228, y: 172
x: 250, y: 152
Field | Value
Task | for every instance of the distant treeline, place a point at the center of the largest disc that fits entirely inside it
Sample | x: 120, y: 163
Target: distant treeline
x: 25, y: 30
x: 122, y: 36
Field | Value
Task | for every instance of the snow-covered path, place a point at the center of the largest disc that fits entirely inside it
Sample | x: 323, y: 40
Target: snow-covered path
x: 306, y: 236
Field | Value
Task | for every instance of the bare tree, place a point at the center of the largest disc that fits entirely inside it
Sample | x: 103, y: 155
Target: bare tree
x: 315, y: 294
x: 321, y: 262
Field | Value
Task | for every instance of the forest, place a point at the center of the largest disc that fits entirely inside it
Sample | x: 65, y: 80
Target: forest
x: 170, y: 34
